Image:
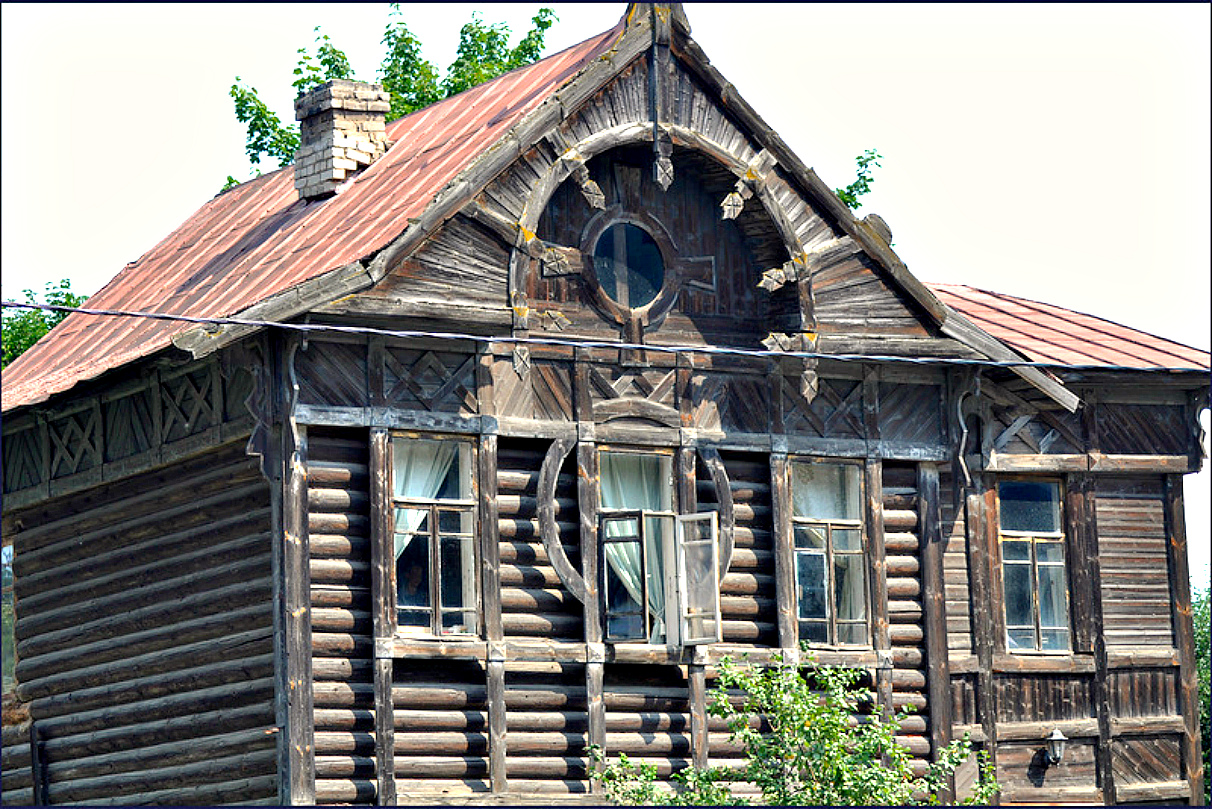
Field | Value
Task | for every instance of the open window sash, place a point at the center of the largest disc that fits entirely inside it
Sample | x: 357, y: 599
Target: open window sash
x: 698, y: 578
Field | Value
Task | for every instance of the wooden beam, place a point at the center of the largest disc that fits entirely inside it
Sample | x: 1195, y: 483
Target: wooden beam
x: 784, y: 554
x: 1180, y: 598
x: 938, y: 674
x: 548, y: 478
x: 981, y: 604
x: 383, y: 612
x: 881, y: 637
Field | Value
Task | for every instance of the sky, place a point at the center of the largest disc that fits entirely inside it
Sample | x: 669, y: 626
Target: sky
x: 1055, y: 152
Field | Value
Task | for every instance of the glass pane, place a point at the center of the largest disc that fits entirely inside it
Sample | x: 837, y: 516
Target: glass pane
x: 632, y: 480
x: 699, y: 627
x: 629, y: 265
x: 700, y: 586
x: 1020, y: 638
x: 1053, y: 611
x: 1017, y: 580
x: 1026, y: 505
x: 454, y: 521
x: 824, y: 491
x: 808, y: 536
x: 849, y: 587
x: 1050, y: 552
x: 412, y: 582
x: 624, y: 611
x: 457, y: 572
x: 1054, y: 640
x: 810, y: 577
x: 625, y: 528
x: 658, y: 563
x: 1016, y: 550
x: 852, y: 634
x: 847, y: 539
x: 814, y: 631
x: 459, y: 623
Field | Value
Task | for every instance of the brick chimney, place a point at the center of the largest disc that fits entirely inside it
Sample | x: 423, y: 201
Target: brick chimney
x: 342, y: 131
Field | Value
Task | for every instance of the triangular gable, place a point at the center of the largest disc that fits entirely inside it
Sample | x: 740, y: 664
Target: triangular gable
x: 288, y: 257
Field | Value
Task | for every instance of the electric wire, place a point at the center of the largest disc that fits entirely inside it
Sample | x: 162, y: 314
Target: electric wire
x: 316, y: 328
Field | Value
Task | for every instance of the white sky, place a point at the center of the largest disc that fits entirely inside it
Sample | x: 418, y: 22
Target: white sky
x: 1057, y: 152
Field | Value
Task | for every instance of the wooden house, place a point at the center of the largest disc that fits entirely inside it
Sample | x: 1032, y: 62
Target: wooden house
x: 500, y: 424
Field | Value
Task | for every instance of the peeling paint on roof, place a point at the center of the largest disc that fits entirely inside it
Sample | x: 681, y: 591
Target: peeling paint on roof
x: 1047, y: 333
x: 259, y: 239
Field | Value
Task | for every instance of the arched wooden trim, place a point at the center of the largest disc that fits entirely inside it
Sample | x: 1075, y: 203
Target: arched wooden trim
x: 549, y: 476
x: 637, y: 132
x: 723, y: 494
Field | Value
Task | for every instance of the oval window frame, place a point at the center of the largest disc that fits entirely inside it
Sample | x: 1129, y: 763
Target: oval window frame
x: 659, y: 306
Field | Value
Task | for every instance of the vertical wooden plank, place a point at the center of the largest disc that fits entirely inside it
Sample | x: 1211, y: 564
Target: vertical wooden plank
x: 981, y: 606
x: 1083, y: 530
x: 383, y: 613
x: 490, y: 583
x: 784, y: 556
x: 934, y: 605
x: 497, y: 738
x: 301, y: 731
x: 486, y: 394
x: 1180, y: 597
x: 587, y: 505
x: 36, y: 768
x: 880, y: 633
x: 871, y: 410
x: 696, y: 676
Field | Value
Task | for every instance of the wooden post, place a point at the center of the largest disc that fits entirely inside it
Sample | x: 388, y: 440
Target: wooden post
x: 383, y: 609
x: 595, y: 658
x: 1086, y: 579
x: 36, y: 769
x: 981, y: 605
x: 494, y: 633
x: 880, y: 635
x: 1180, y: 597
x: 784, y: 554
x: 934, y: 604
x: 696, y: 676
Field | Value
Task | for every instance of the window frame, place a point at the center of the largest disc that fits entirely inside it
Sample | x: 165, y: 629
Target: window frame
x: 672, y: 550
x: 869, y: 573
x: 1063, y: 539
x: 469, y: 506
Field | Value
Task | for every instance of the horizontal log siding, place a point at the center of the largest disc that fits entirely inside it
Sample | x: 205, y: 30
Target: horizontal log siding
x: 747, y: 590
x: 902, y: 533
x: 16, y: 777
x: 440, y: 713
x: 145, y: 638
x: 1132, y: 555
x: 955, y: 569
x: 342, y: 642
x: 534, y: 603
x: 547, y: 724
x: 648, y: 715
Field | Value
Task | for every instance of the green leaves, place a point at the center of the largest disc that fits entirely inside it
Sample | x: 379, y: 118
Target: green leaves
x: 1199, y: 611
x: 412, y: 81
x: 811, y: 736
x: 266, y: 135
x: 24, y: 327
x: 862, y: 183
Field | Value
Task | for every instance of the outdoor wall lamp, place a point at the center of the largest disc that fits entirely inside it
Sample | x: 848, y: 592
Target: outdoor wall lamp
x: 1056, y: 746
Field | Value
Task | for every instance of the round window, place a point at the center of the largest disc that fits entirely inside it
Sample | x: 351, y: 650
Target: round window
x: 629, y: 266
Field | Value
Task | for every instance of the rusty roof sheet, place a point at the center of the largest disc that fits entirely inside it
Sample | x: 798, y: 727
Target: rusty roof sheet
x: 259, y: 239
x: 1047, y: 333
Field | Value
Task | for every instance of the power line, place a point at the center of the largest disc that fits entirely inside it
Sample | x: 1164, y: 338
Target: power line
x: 308, y: 328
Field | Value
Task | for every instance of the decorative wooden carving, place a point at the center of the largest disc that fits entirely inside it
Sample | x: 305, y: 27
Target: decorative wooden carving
x: 626, y: 393
x: 437, y: 381
x: 548, y: 478
x: 723, y: 493
x: 750, y: 181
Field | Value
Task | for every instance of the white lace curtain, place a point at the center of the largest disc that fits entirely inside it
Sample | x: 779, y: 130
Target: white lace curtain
x: 634, y: 482
x: 420, y: 467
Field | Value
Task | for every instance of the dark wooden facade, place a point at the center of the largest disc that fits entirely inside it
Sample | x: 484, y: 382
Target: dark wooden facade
x: 205, y: 585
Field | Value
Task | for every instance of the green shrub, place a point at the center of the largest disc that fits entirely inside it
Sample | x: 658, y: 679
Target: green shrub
x: 814, y: 746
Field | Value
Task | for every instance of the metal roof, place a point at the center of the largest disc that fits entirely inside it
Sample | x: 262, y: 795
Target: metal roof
x: 259, y: 239
x: 1046, y: 333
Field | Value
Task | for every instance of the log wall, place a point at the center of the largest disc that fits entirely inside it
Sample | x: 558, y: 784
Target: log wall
x: 144, y: 637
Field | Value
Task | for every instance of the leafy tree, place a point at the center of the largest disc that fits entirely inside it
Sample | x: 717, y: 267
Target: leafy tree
x: 24, y: 327
x: 6, y: 606
x: 862, y: 183
x: 808, y: 749
x: 412, y: 81
x: 1199, y: 605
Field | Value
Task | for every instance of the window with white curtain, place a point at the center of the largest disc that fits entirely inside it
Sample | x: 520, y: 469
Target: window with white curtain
x: 434, y: 535
x: 830, y: 553
x: 660, y: 577
x: 1034, y: 579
